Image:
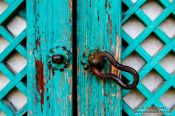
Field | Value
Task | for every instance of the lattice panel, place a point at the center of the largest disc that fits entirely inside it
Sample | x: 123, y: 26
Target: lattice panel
x: 13, y: 60
x: 148, y: 31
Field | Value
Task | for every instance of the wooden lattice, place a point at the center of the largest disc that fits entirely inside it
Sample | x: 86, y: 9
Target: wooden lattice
x: 148, y: 33
x: 152, y: 61
x: 13, y: 91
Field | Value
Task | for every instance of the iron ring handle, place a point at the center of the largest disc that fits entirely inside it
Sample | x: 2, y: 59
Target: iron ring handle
x: 113, y: 77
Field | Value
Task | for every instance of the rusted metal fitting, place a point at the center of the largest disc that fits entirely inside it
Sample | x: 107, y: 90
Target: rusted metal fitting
x: 93, y: 58
x: 59, y: 58
x: 95, y: 62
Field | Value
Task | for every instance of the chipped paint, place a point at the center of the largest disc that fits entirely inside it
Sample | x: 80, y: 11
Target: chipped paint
x: 37, y: 42
x: 50, y: 25
x: 98, y: 24
x: 40, y: 79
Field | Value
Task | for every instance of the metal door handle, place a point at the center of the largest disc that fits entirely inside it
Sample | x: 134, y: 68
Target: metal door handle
x: 96, y: 62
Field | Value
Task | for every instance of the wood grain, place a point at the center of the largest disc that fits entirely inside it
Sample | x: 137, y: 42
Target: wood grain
x: 49, y: 25
x: 98, y: 27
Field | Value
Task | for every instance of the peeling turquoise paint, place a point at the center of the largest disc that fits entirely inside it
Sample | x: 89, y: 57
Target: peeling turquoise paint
x: 49, y: 25
x: 98, y: 27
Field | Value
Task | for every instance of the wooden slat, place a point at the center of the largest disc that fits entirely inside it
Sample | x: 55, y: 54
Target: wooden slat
x: 49, y: 25
x: 98, y: 27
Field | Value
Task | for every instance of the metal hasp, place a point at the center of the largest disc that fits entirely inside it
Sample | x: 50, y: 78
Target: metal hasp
x: 96, y: 61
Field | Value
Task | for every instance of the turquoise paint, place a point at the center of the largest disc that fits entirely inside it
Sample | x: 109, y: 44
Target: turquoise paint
x: 14, y: 44
x: 6, y: 109
x: 10, y: 10
x: 152, y: 63
x: 4, y: 33
x: 49, y: 25
x: 98, y: 27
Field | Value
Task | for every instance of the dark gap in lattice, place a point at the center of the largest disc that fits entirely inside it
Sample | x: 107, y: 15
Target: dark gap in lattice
x: 24, y: 80
x: 124, y: 45
x: 124, y: 113
x: 24, y: 43
x: 124, y: 8
x: 23, y: 5
x: 25, y: 114
x: 124, y: 79
x: 172, y: 15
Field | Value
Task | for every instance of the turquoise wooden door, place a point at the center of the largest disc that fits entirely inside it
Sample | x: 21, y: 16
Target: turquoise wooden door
x: 49, y: 40
x: 50, y: 34
x: 45, y: 44
x: 98, y: 27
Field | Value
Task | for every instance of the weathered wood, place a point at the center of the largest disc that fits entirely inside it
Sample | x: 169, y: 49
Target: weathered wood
x: 49, y: 25
x: 98, y: 27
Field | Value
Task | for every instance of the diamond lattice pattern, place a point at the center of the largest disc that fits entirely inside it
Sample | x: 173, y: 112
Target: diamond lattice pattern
x: 13, y: 91
x: 148, y: 31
